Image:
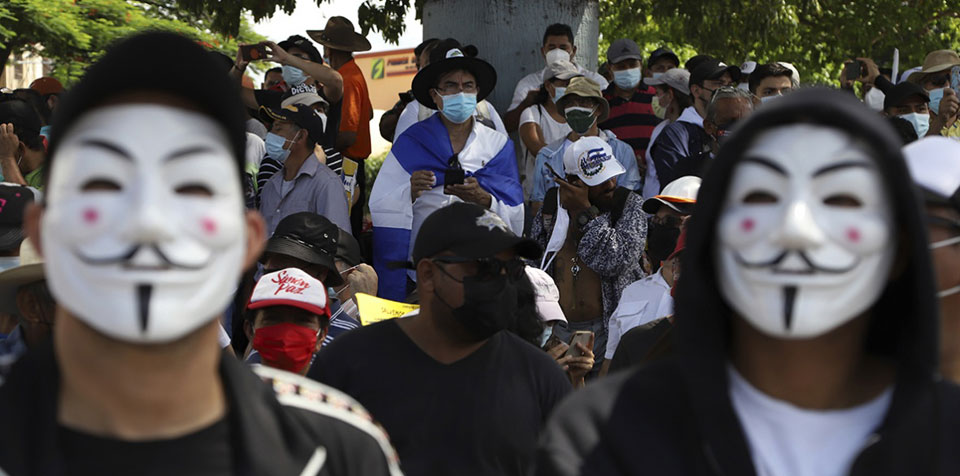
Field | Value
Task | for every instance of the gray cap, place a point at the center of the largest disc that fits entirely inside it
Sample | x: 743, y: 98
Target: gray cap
x: 622, y: 49
x: 676, y: 78
x: 561, y: 70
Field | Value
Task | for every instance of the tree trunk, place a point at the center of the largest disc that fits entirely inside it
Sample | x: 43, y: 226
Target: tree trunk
x: 509, y: 33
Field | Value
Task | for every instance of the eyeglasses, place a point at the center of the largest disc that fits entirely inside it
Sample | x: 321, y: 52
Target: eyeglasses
x: 487, y: 268
x: 449, y: 88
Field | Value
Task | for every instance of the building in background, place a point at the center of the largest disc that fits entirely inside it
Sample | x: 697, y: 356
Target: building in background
x: 388, y: 73
x: 22, y: 69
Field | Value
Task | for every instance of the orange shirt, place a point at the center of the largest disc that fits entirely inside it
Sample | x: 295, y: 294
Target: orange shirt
x: 356, y: 110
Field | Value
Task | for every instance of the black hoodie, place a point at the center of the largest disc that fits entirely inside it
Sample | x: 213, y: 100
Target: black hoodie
x: 674, y: 417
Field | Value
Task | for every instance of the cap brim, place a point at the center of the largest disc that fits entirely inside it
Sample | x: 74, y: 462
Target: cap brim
x: 10, y: 237
x: 270, y: 114
x: 282, y: 246
x: 938, y: 68
x: 550, y: 311
x: 524, y: 247
x: 426, y: 79
x: 625, y: 57
x: 359, y: 43
x: 322, y: 311
x: 614, y: 169
x: 11, y: 280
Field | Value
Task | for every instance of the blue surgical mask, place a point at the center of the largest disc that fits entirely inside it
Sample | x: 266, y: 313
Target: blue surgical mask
x: 45, y: 131
x: 547, y: 332
x: 293, y: 76
x: 627, y: 79
x: 8, y: 262
x: 656, y: 75
x: 274, y: 145
x: 920, y: 122
x: 558, y: 93
x: 459, y: 107
x: 935, y: 96
x: 767, y: 99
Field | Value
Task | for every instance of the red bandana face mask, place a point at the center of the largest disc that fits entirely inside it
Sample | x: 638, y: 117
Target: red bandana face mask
x: 285, y: 346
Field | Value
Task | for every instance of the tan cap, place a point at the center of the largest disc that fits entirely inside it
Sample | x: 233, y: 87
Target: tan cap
x: 585, y: 88
x: 935, y: 62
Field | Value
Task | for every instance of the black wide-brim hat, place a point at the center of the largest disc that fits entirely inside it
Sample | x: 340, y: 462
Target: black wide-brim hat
x: 450, y: 56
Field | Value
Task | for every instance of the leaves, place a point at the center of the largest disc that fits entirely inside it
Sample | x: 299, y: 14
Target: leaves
x: 815, y: 35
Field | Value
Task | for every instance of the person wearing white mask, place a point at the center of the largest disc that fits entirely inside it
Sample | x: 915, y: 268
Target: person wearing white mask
x: 934, y: 165
x: 632, y: 118
x: 770, y: 81
x: 910, y: 103
x: 557, y: 45
x: 805, y: 319
x: 144, y: 237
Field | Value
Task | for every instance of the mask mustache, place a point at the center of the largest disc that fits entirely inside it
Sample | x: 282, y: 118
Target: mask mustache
x: 812, y: 267
x: 125, y: 257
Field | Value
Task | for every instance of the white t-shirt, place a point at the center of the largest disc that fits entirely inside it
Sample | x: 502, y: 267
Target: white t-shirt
x: 256, y: 148
x: 786, y: 440
x: 552, y: 130
x: 534, y: 80
x: 641, y: 302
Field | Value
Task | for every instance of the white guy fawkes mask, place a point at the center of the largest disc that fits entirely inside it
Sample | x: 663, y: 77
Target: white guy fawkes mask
x: 804, y: 241
x: 143, y: 233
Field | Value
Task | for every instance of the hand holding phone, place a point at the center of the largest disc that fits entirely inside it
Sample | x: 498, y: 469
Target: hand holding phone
x: 253, y: 52
x: 584, y: 338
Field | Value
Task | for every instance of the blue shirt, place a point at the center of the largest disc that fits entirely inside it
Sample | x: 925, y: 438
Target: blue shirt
x: 553, y: 154
x: 315, y: 189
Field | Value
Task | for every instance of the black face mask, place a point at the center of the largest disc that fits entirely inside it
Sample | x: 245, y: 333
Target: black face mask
x: 488, y: 305
x: 661, y: 241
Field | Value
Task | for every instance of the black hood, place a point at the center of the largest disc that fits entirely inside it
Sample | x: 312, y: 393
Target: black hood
x: 904, y: 323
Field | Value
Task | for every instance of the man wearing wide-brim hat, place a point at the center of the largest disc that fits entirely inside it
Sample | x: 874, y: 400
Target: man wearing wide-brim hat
x: 446, y: 158
x: 24, y: 294
x: 339, y: 42
x: 936, y: 77
x: 584, y: 107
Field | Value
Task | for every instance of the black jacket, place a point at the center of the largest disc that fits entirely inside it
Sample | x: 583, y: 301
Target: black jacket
x: 674, y: 416
x: 271, y: 434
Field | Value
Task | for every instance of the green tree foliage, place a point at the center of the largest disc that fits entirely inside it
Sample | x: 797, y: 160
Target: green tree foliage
x: 74, y: 33
x: 815, y: 35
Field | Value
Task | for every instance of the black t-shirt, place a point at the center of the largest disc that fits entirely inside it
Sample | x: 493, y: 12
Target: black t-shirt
x: 205, y: 452
x: 481, y: 415
x: 637, y: 343
x: 273, y: 99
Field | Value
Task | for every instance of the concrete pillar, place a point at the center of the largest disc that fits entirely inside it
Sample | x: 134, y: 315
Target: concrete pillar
x: 509, y: 33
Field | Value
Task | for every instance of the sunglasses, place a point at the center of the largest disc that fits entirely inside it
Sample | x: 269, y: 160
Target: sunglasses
x: 487, y: 268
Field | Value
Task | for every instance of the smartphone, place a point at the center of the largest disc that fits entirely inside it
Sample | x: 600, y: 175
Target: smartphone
x: 453, y: 176
x: 955, y: 79
x: 553, y: 172
x: 582, y: 337
x: 253, y: 52
x: 852, y: 70
x: 552, y: 342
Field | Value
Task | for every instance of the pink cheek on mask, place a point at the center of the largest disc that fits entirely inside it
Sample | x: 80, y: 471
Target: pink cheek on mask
x: 91, y: 216
x: 853, y: 235
x: 209, y: 226
x: 747, y: 225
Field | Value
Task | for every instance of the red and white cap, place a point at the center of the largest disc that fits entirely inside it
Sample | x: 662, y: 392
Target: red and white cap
x: 290, y: 287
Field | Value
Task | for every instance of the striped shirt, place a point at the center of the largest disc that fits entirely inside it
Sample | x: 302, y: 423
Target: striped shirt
x: 632, y: 120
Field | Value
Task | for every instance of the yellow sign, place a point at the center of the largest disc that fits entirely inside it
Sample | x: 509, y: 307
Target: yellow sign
x: 377, y: 71
x: 374, y: 309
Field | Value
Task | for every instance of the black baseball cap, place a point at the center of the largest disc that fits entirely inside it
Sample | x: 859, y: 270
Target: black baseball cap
x: 24, y: 118
x: 901, y: 92
x: 309, y: 237
x: 662, y: 52
x: 712, y: 69
x: 13, y: 202
x: 469, y: 231
x: 303, y: 116
x: 303, y: 44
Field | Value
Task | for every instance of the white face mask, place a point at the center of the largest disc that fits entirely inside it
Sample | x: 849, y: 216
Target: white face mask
x: 804, y: 240
x: 874, y: 99
x: 557, y: 54
x: 134, y: 245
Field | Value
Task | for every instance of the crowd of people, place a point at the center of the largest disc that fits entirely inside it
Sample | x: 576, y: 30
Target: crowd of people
x: 662, y: 267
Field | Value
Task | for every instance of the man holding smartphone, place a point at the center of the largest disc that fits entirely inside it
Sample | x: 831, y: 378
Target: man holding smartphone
x: 447, y: 158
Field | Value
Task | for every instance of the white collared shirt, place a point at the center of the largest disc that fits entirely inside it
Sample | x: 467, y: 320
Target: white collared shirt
x: 641, y: 302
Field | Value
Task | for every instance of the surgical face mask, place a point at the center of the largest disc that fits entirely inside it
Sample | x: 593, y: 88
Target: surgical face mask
x: 545, y: 336
x: 767, y: 99
x: 458, y: 108
x: 45, y: 131
x: 656, y: 75
x: 275, y: 144
x: 936, y: 95
x: 805, y: 237
x: 874, y: 99
x: 558, y: 92
x: 919, y: 121
x: 744, y: 86
x: 488, y: 305
x: 658, y: 110
x: 627, y: 78
x: 286, y: 346
x: 7, y: 262
x: 144, y: 233
x: 557, y: 54
x: 580, y: 119
x: 293, y: 76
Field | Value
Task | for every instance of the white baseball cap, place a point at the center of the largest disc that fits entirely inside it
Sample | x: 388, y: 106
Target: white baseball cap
x: 676, y: 78
x: 748, y: 67
x: 547, y: 295
x: 591, y: 159
x: 290, y: 287
x: 680, y: 195
x: 934, y: 164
